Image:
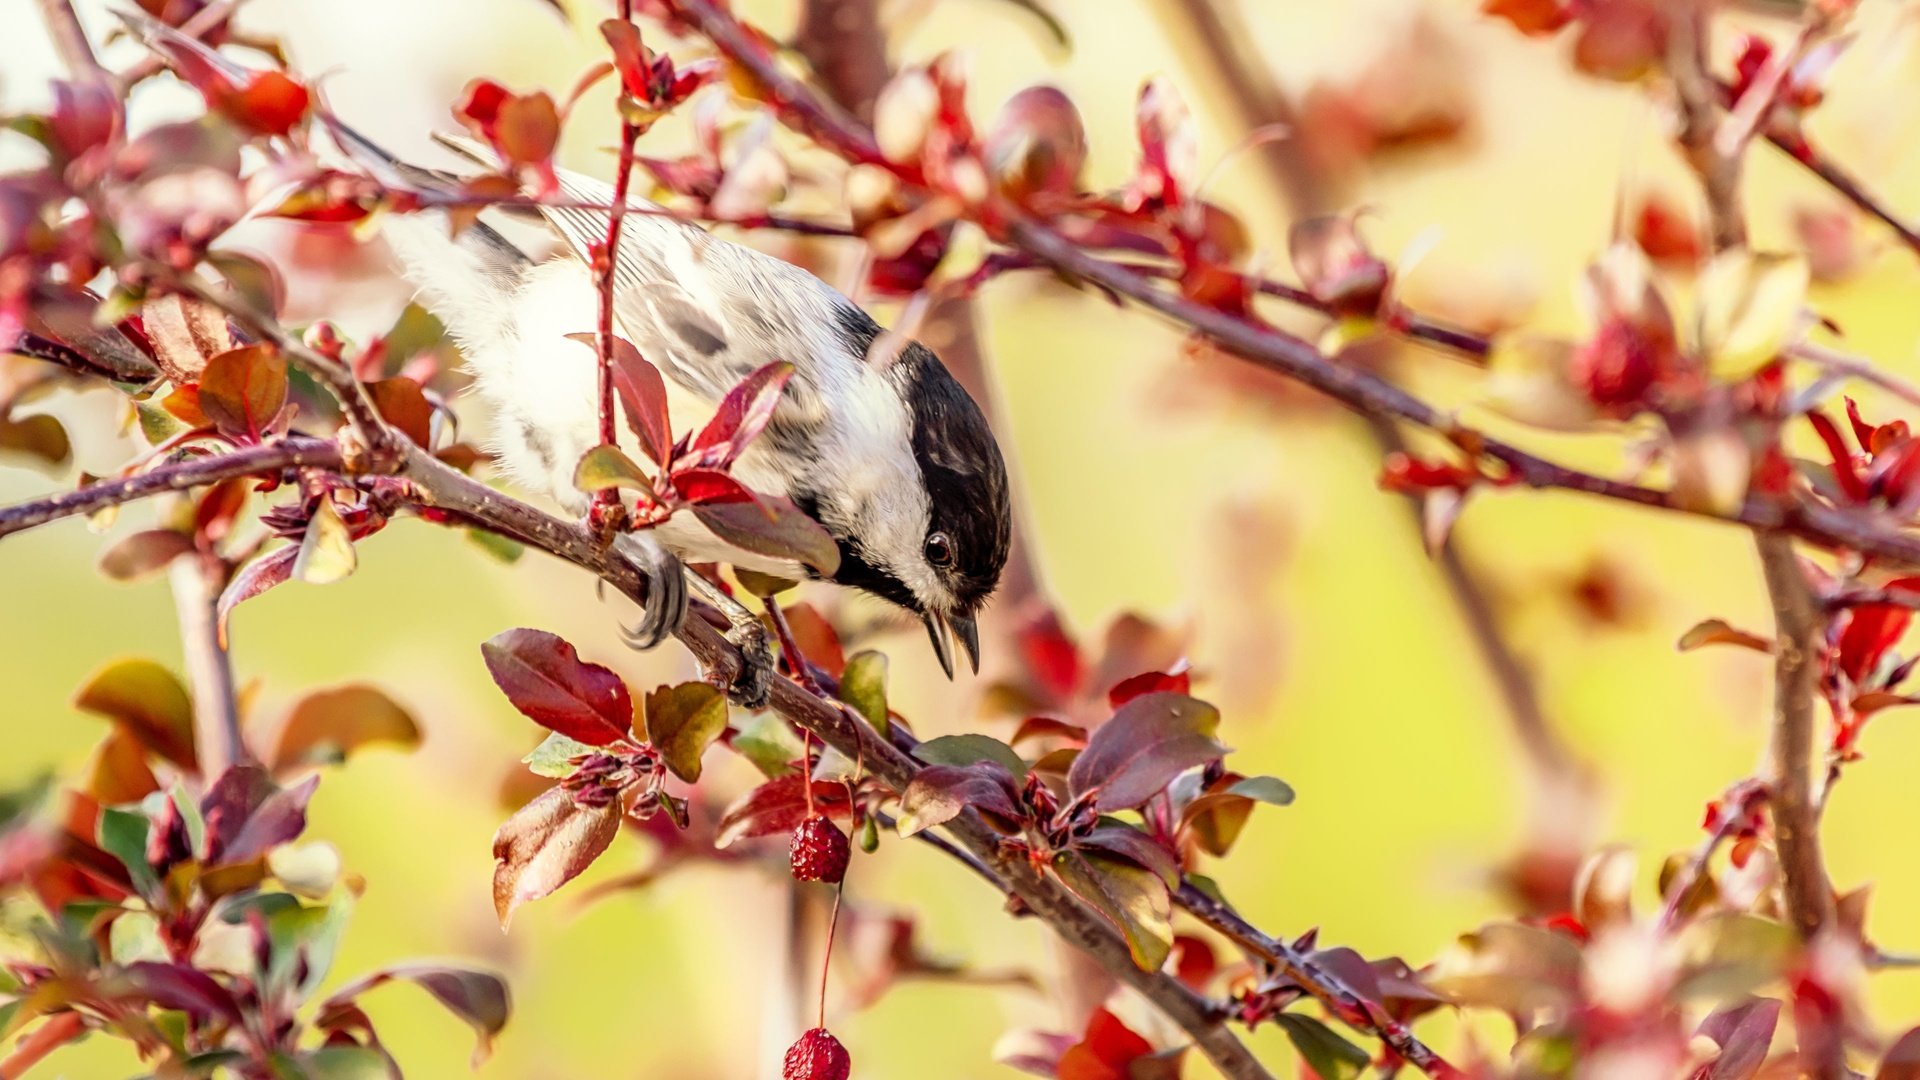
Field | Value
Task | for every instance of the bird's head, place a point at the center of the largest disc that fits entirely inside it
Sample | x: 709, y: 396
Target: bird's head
x: 935, y: 547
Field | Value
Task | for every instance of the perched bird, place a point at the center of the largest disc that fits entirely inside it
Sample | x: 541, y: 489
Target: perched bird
x: 893, y: 459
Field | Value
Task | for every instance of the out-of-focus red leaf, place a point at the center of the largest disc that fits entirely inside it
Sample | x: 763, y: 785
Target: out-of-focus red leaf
x: 255, y: 578
x: 1535, y: 18
x: 144, y: 553
x: 1844, y: 472
x: 1051, y: 656
x: 1176, y: 682
x: 1871, y: 630
x: 147, y: 702
x: 1744, y: 1032
x: 176, y: 986
x: 327, y: 725
x: 546, y: 680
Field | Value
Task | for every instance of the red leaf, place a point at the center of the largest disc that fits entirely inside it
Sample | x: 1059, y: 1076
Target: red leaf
x: 630, y: 57
x: 1871, y: 630
x: 938, y: 793
x: 271, y: 103
x: 1844, y: 472
x: 143, y: 553
x: 477, y: 997
x: 1743, y: 1032
x: 480, y: 105
x: 179, y: 987
x: 404, y: 405
x: 779, y: 805
x: 258, y: 576
x: 1177, y: 682
x: 1052, y: 657
x: 709, y: 486
x: 741, y: 415
x: 1114, y: 1042
x: 1151, y: 740
x: 279, y: 818
x: 546, y: 844
x: 548, y: 682
x: 643, y: 396
x: 773, y: 526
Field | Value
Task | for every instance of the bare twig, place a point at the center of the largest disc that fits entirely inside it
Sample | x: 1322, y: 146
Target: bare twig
x: 70, y: 40
x: 271, y: 459
x: 197, y: 579
x: 609, y: 271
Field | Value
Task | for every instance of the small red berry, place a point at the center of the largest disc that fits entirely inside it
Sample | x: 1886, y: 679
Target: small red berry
x: 817, y: 1055
x: 820, y: 851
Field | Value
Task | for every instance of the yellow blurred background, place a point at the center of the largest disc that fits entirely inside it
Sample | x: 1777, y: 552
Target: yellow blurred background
x: 1338, y: 657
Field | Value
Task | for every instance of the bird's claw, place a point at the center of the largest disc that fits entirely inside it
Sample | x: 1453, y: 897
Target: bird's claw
x: 753, y: 685
x: 666, y: 593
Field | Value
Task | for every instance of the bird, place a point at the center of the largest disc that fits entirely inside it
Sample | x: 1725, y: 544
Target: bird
x: 888, y: 453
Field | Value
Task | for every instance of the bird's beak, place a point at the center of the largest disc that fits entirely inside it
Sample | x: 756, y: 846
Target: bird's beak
x: 968, y: 632
x: 942, y: 637
x: 942, y: 629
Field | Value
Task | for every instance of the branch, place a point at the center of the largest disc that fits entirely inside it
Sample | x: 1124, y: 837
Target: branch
x: 197, y: 580
x: 1258, y: 99
x: 433, y: 484
x: 1326, y: 987
x: 269, y: 460
x: 70, y: 40
x: 1797, y: 620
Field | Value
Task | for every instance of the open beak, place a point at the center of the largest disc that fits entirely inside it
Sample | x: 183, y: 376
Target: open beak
x: 943, y: 629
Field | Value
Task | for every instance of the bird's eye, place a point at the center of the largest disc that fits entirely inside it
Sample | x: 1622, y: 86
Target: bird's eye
x: 940, y: 550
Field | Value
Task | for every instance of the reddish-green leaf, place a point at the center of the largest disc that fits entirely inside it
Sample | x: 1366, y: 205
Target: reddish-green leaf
x: 1744, y: 1032
x: 327, y: 725
x: 1330, y: 1056
x: 546, y: 680
x: 604, y: 466
x: 546, y: 844
x: 175, y: 986
x: 144, y: 554
x: 243, y: 390
x: 477, y: 997
x: 1151, y: 740
x: 682, y: 721
x: 148, y: 703
x: 280, y: 817
x: 1135, y: 846
x: 257, y: 577
x: 1131, y: 897
x: 404, y: 406
x: 940, y: 792
x: 774, y: 527
x: 777, y: 806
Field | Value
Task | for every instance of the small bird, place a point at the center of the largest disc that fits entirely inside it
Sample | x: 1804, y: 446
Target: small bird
x: 892, y: 458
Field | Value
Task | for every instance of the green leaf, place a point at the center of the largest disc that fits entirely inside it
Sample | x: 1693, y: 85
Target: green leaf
x: 1331, y: 1056
x: 123, y: 834
x: 326, y: 551
x: 606, y: 467
x: 499, y: 547
x: 554, y: 756
x: 682, y: 721
x: 339, y: 1063
x: 135, y: 936
x: 769, y: 743
x: 969, y: 748
x: 863, y: 685
x: 762, y: 585
x: 1267, y: 789
x: 309, y: 933
x: 148, y: 703
x: 1131, y: 897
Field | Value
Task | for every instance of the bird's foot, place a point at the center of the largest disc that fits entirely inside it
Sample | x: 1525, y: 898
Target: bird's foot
x: 666, y: 590
x: 753, y: 685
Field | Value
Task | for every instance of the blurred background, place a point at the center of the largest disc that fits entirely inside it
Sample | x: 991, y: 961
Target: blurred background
x: 1153, y: 482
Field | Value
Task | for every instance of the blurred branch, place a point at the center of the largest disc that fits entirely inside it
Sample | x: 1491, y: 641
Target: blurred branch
x: 70, y: 40
x: 1269, y: 347
x: 197, y: 579
x: 1797, y: 621
x: 1229, y: 50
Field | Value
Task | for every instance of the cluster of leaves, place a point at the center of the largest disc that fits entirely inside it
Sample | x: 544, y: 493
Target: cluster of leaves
x: 184, y: 913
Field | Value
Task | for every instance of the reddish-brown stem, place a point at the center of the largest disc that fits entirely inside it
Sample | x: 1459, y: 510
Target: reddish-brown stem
x: 197, y: 580
x: 609, y: 272
x: 58, y: 1031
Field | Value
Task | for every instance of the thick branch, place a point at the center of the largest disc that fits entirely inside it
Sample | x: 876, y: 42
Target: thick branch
x: 271, y: 459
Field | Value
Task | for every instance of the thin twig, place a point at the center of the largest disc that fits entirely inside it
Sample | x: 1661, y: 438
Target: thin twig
x: 58, y: 1030
x: 70, y: 40
x: 608, y: 272
x: 269, y: 460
